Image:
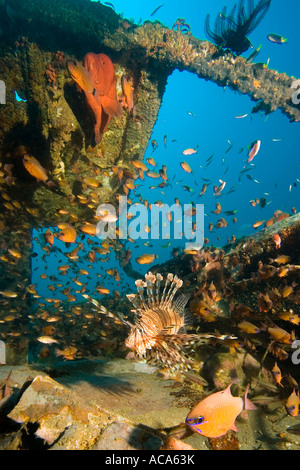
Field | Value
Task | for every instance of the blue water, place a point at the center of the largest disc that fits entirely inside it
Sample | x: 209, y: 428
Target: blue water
x: 199, y: 114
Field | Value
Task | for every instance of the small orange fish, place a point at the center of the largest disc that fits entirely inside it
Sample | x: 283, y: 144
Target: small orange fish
x: 280, y: 335
x: 102, y: 290
x: 8, y: 293
x: 89, y: 228
x: 204, y: 188
x: 277, y: 241
x: 127, y: 88
x: 34, y: 167
x: 283, y: 271
x: 270, y: 222
x: 281, y: 259
x: 14, y: 253
x: 92, y: 182
x: 151, y: 161
x: 145, y: 259
x: 46, y: 339
x: 68, y: 353
x: 248, y: 327
x: 67, y: 234
x: 216, y: 414
x: 49, y: 237
x: 80, y: 76
x: 277, y: 374
x: 186, y: 167
x: 258, y: 223
x: 292, y: 404
x: 290, y: 317
x: 212, y: 290
x: 139, y: 164
x: 153, y: 174
x: 64, y: 267
x: 218, y: 209
x: 287, y: 290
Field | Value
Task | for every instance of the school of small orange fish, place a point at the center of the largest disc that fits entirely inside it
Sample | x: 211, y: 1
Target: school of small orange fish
x: 79, y: 331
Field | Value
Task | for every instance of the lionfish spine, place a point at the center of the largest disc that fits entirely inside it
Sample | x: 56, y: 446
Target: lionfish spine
x: 176, y: 284
x: 168, y: 280
x: 150, y: 280
x: 159, y: 278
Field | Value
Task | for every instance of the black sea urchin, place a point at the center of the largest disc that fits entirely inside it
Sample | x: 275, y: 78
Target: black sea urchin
x: 231, y: 30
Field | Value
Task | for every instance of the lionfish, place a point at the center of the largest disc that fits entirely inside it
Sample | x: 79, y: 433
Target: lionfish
x: 158, y: 334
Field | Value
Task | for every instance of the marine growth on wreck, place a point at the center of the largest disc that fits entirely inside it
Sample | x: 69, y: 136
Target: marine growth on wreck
x: 149, y: 242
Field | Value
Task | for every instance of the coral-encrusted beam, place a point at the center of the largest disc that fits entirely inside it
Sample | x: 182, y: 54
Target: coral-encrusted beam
x: 92, y: 25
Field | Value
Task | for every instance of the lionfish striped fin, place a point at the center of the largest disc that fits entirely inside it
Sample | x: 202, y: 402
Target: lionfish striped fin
x: 140, y: 286
x: 167, y: 282
x: 133, y: 299
x: 159, y: 278
x: 180, y: 303
x: 100, y: 308
x: 176, y: 283
x: 150, y: 281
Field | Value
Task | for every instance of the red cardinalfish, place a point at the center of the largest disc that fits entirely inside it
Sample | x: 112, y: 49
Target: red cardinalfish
x: 216, y: 414
x: 83, y: 80
x: 103, y: 78
x: 101, y: 119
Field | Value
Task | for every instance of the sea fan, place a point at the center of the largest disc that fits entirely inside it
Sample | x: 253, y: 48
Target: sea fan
x: 230, y: 31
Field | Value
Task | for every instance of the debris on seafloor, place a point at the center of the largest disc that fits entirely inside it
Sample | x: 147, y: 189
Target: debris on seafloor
x: 60, y: 419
